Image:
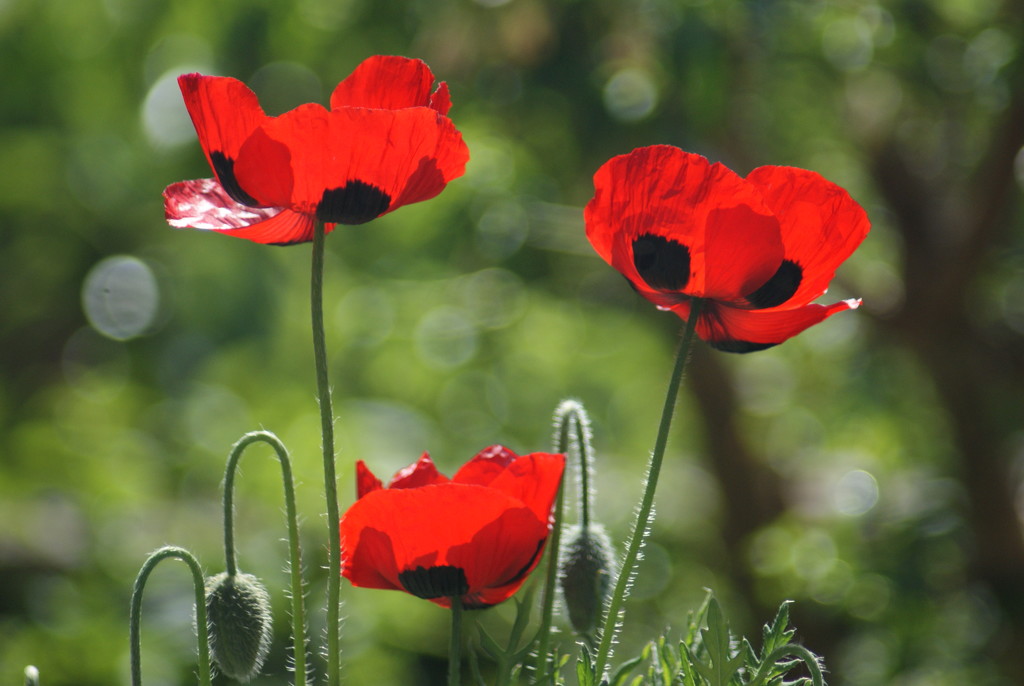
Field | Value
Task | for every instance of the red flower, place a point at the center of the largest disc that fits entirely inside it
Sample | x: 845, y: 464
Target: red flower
x: 385, y: 142
x: 757, y: 250
x: 476, y: 536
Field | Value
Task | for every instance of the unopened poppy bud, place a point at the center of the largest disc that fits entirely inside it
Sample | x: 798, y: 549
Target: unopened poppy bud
x: 238, y: 623
x: 586, y: 574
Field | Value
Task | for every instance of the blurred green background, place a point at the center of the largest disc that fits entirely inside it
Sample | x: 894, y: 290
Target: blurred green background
x: 870, y: 469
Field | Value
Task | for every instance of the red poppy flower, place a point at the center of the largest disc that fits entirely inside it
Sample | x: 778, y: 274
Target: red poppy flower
x: 385, y: 142
x: 476, y: 536
x: 757, y: 250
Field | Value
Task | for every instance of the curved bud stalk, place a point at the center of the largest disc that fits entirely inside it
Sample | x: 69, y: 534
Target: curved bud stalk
x: 587, y: 565
x: 572, y: 436
x: 236, y: 592
x: 135, y: 613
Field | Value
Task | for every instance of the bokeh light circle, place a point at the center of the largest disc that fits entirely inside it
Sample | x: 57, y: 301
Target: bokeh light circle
x: 121, y: 297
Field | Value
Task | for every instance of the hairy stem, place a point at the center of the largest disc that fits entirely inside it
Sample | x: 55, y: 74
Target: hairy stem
x: 455, y: 643
x: 299, y: 637
x: 641, y: 525
x: 540, y: 667
x: 327, y: 443
x: 135, y: 613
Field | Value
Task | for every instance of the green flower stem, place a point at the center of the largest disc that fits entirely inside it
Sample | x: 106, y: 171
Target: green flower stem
x: 455, y: 643
x: 581, y: 439
x: 298, y: 609
x: 567, y: 418
x: 550, y: 583
x: 641, y: 525
x: 330, y: 480
x: 135, y: 613
x: 584, y: 502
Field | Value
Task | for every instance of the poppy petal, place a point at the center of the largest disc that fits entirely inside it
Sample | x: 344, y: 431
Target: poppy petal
x: 368, y: 558
x: 366, y: 481
x: 389, y: 82
x: 485, y: 466
x: 350, y: 165
x: 821, y: 226
x: 500, y: 557
x: 205, y: 204
x: 732, y: 329
x: 743, y: 250
x: 531, y: 479
x: 441, y: 99
x: 671, y: 221
x: 224, y: 112
x: 420, y: 473
x: 487, y: 534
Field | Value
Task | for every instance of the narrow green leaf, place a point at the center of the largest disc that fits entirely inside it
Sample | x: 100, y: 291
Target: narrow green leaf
x: 489, y: 645
x: 623, y: 670
x: 691, y: 675
x: 585, y: 667
x: 696, y: 619
x: 524, y: 605
x: 474, y: 667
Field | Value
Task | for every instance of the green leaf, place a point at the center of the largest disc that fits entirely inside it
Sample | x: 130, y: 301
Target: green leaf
x: 690, y: 670
x: 489, y: 645
x: 474, y: 667
x: 717, y: 640
x: 776, y: 634
x: 695, y: 620
x: 524, y: 605
x: 585, y: 667
x: 623, y: 670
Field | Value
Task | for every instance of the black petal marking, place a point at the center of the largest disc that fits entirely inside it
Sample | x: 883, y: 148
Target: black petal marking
x: 739, y: 346
x: 356, y: 202
x: 224, y: 167
x: 779, y: 288
x: 664, y: 264
x: 444, y: 581
x: 525, y: 568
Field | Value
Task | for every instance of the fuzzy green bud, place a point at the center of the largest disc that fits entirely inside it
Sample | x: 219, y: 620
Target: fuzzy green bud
x: 239, y: 624
x: 586, y: 573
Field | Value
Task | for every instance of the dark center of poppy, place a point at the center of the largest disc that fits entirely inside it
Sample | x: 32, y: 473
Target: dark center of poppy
x: 224, y: 167
x: 664, y: 264
x: 443, y: 581
x: 739, y: 346
x: 356, y: 202
x: 779, y: 288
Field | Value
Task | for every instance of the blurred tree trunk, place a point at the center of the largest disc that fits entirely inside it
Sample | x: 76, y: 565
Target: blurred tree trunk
x: 951, y: 232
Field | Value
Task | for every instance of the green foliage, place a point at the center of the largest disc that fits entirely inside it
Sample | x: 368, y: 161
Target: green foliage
x: 510, y: 659
x: 706, y: 654
x: 710, y: 655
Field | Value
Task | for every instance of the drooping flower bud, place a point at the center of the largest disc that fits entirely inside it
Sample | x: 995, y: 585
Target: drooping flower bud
x: 586, y: 573
x: 239, y: 624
